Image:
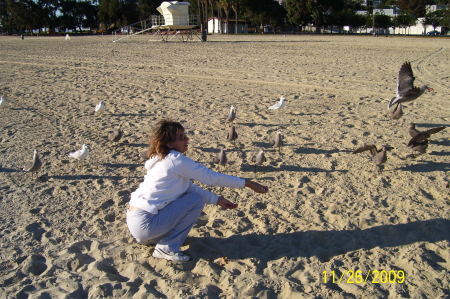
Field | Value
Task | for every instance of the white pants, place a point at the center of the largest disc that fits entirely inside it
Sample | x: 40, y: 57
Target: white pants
x: 170, y: 227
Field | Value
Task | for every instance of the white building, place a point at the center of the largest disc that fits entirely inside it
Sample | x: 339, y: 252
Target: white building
x: 216, y: 25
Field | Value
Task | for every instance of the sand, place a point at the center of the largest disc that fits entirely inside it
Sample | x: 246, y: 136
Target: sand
x: 64, y: 234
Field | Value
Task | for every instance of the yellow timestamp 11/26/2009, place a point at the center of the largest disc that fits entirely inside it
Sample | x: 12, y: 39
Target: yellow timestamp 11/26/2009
x: 359, y: 277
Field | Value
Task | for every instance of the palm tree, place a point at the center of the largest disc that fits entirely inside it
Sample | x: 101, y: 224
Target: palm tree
x: 225, y: 5
x: 235, y: 5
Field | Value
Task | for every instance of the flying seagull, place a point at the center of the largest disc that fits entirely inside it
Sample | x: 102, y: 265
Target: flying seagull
x: 406, y: 91
x: 396, y: 111
x: 379, y: 156
x: 231, y: 114
x: 35, y: 164
x: 280, y: 104
x: 100, y: 107
x: 221, y: 158
x: 115, y: 135
x: 278, y: 140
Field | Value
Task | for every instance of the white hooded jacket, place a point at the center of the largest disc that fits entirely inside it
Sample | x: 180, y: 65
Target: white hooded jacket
x: 169, y: 178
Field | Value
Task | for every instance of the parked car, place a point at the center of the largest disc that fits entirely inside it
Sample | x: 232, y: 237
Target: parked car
x: 434, y: 32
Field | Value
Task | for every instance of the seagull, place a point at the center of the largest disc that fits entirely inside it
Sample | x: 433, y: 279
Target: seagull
x: 67, y: 36
x: 231, y: 114
x: 80, y: 154
x: 280, y: 104
x: 35, y: 164
x: 396, y: 111
x: 418, y: 146
x: 2, y: 101
x: 100, y: 107
x: 379, y: 156
x: 221, y: 158
x: 418, y: 136
x: 115, y: 135
x: 232, y: 135
x: 406, y: 91
x: 278, y: 140
x: 258, y: 159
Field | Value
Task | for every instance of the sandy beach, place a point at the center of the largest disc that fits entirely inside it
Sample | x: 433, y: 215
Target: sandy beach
x: 63, y: 235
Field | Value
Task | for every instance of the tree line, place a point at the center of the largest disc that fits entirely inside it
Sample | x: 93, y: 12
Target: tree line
x: 18, y: 16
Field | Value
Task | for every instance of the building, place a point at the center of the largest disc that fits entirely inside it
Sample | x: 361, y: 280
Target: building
x: 216, y: 25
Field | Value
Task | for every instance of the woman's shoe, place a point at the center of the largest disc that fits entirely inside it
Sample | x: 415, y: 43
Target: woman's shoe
x: 171, y: 256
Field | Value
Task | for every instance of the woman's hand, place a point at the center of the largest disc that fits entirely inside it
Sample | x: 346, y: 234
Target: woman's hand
x: 256, y: 187
x: 226, y: 204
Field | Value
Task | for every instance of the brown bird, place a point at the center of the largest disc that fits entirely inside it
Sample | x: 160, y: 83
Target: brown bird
x: 418, y: 146
x: 221, y: 158
x: 396, y: 111
x: 418, y: 136
x: 258, y: 159
x: 232, y: 135
x: 115, y: 135
x: 406, y: 91
x: 35, y: 164
x: 231, y: 114
x: 278, y: 140
x: 379, y: 157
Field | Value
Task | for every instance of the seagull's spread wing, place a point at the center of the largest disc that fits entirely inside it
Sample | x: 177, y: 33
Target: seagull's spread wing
x: 371, y: 147
x: 405, y: 80
x: 434, y: 130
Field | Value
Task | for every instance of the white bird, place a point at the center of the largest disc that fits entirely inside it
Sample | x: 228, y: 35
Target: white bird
x: 100, y: 107
x: 280, y: 104
x: 231, y: 114
x: 80, y: 154
x: 2, y: 101
x: 67, y: 36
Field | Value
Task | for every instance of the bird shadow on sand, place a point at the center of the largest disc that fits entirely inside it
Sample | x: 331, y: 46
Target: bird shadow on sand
x: 315, y: 243
x: 292, y: 168
x: 426, y: 166
x: 131, y: 114
x: 310, y: 150
x: 443, y: 142
x: 281, y: 126
x: 428, y: 125
x: 3, y: 169
x: 24, y: 109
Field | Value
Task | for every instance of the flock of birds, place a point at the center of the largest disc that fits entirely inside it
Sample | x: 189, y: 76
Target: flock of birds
x: 406, y: 92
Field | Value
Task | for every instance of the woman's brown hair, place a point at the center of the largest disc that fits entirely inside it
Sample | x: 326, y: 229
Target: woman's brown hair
x: 164, y: 132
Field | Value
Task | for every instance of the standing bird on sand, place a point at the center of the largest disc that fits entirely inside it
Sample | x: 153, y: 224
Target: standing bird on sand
x: 278, y: 141
x: 379, y: 157
x: 100, y: 107
x: 232, y: 135
x: 280, y: 104
x: 35, y: 164
x: 258, y: 159
x: 2, y: 101
x: 396, y: 111
x: 406, y: 91
x: 231, y: 114
x: 81, y: 154
x: 221, y: 158
x: 115, y: 135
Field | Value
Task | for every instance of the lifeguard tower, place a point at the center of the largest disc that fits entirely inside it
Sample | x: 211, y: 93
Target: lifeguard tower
x: 174, y: 22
